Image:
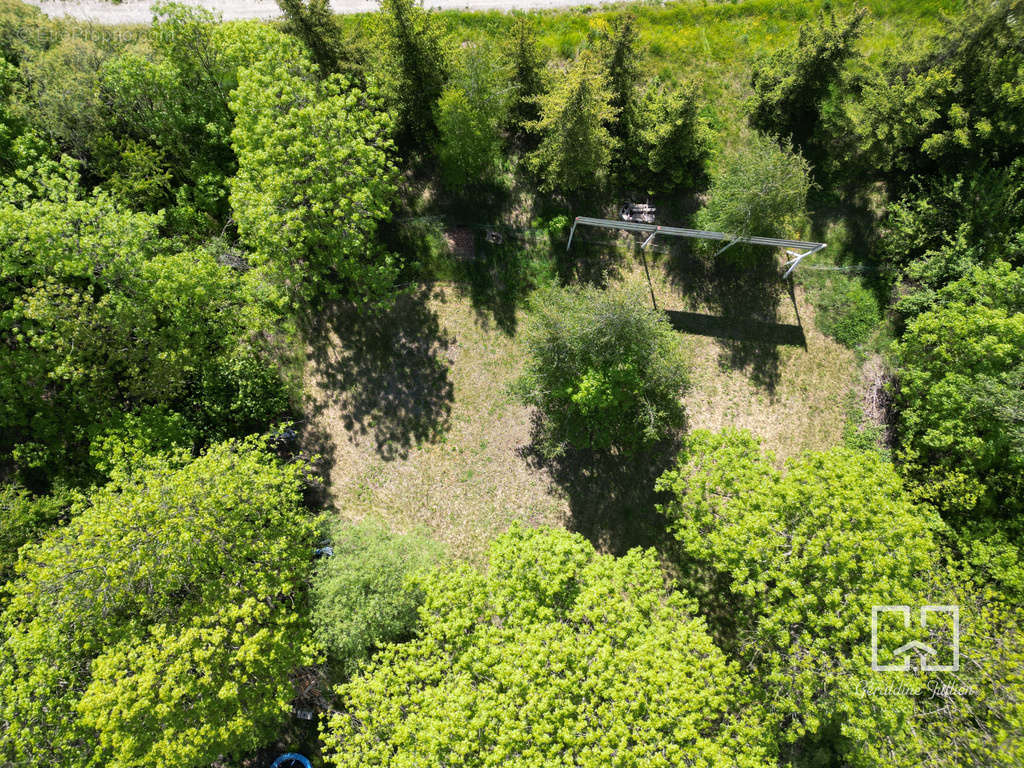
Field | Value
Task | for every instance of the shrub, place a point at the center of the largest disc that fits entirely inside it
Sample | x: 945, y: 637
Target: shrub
x: 365, y: 594
x: 605, y: 371
x: 758, y: 188
x: 846, y: 311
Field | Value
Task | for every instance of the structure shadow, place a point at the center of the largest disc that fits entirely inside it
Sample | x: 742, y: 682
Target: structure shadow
x: 387, y: 372
x: 732, y: 329
x: 743, y: 292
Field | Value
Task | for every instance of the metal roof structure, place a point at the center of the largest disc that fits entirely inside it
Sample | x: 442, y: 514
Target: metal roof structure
x: 700, y: 234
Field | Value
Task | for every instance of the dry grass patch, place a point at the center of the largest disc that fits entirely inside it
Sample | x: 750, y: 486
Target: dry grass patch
x: 418, y: 428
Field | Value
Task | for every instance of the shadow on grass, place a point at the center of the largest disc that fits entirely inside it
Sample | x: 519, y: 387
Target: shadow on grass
x: 611, y: 497
x: 743, y: 292
x: 753, y: 331
x: 388, y: 372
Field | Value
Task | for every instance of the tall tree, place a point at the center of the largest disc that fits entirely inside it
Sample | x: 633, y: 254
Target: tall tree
x: 554, y: 655
x: 416, y: 67
x: 315, y: 177
x: 806, y: 554
x: 576, y: 146
x: 791, y: 85
x: 470, y: 115
x: 622, y: 59
x: 312, y: 22
x: 526, y: 62
x: 159, y: 627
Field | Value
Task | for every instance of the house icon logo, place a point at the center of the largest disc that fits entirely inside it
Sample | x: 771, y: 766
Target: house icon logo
x: 924, y: 653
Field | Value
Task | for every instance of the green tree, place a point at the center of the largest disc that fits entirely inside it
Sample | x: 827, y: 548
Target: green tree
x: 366, y: 593
x: 576, y: 148
x: 315, y: 178
x: 60, y: 98
x: 955, y: 106
x: 470, y: 115
x: 622, y: 60
x: 791, y: 85
x: 759, y: 189
x: 806, y: 553
x: 160, y: 625
x: 671, y: 140
x: 313, y: 22
x: 26, y: 518
x: 100, y: 317
x: 605, y: 371
x: 416, y: 67
x: 526, y: 62
x: 961, y: 407
x: 555, y: 653
x: 172, y: 98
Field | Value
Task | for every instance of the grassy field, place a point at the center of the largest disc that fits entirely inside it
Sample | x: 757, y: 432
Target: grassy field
x: 423, y: 433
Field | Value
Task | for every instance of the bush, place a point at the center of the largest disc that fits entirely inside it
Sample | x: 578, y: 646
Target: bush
x: 605, y: 371
x: 758, y: 188
x: 366, y: 594
x: 846, y: 311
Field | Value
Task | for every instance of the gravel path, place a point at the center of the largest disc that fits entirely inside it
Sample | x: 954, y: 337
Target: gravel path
x: 137, y: 11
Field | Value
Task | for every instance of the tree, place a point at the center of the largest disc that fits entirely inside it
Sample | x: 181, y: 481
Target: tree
x: 576, y: 147
x: 622, y: 60
x: 26, y: 518
x: 366, y: 593
x: 671, y: 141
x: 160, y: 625
x: 961, y: 407
x: 954, y: 107
x: 101, y: 317
x: 806, y: 554
x: 605, y: 371
x: 416, y: 67
x: 554, y: 654
x: 312, y: 22
x: 174, y: 100
x: 791, y: 85
x: 470, y: 115
x: 526, y: 62
x: 315, y: 178
x: 757, y: 189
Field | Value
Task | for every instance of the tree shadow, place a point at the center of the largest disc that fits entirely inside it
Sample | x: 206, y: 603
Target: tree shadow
x: 498, y: 274
x: 612, y: 500
x: 742, y: 292
x: 387, y: 371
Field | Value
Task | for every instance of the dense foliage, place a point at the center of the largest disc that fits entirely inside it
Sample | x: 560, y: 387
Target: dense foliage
x: 555, y: 653
x: 365, y: 594
x: 605, y: 371
x: 807, y: 553
x: 100, y: 315
x: 330, y: 141
x: 178, y: 201
x: 160, y: 625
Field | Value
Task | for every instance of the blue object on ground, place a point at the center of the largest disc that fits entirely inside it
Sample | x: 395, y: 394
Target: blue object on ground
x: 291, y: 760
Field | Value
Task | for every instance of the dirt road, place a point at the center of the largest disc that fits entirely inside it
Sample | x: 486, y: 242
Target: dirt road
x: 137, y: 11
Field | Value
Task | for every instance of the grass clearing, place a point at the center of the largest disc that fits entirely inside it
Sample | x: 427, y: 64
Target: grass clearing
x: 467, y: 476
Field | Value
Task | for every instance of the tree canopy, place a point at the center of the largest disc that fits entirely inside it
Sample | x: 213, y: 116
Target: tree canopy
x: 555, y: 653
